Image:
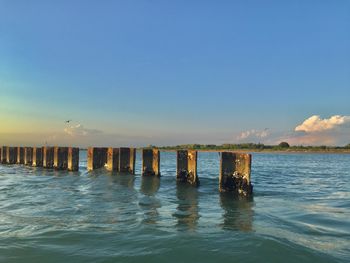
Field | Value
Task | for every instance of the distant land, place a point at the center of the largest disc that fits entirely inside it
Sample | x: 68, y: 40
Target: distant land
x: 259, y: 147
x: 283, y: 147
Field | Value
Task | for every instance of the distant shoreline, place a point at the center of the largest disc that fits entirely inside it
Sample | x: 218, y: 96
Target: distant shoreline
x: 272, y: 151
x: 261, y: 151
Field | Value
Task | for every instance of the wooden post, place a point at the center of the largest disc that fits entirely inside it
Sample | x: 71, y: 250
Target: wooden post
x: 37, y: 157
x: 132, y: 160
x: 127, y: 157
x: 113, y: 159
x: 11, y: 155
x: 20, y: 155
x: 28, y: 155
x: 48, y: 156
x: 4, y: 154
x: 150, y: 162
x: 186, y: 169
x: 73, y: 159
x: 97, y: 158
x: 60, y: 158
x: 235, y: 169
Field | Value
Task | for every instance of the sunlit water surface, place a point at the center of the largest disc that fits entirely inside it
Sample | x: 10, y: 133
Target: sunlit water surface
x: 300, y: 213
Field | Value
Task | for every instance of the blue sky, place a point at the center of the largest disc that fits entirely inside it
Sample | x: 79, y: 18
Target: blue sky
x: 169, y: 72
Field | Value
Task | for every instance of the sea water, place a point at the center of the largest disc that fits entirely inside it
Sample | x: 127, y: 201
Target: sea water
x: 300, y: 212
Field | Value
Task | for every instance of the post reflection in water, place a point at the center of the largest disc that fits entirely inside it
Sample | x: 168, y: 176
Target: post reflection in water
x: 150, y: 185
x: 187, y: 213
x: 125, y: 208
x: 238, y: 212
x: 149, y: 203
x: 126, y: 180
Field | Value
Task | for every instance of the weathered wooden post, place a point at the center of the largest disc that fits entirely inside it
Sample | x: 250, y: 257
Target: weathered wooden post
x: 37, y: 157
x: 48, y: 156
x: 28, y: 155
x: 11, y: 155
x: 73, y: 159
x: 20, y: 155
x: 60, y: 159
x: 97, y: 158
x: 113, y: 159
x: 4, y: 154
x: 127, y: 157
x: 186, y: 168
x: 235, y: 171
x: 150, y: 162
x: 132, y: 160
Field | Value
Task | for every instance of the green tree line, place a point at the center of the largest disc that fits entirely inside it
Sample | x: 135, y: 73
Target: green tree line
x: 283, y: 146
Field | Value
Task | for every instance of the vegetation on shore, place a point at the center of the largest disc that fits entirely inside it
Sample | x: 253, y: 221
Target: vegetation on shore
x: 283, y: 146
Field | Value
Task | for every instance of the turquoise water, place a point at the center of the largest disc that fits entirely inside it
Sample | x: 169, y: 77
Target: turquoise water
x: 300, y: 213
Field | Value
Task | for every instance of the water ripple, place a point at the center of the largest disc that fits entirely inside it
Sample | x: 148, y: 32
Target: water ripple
x: 300, y: 213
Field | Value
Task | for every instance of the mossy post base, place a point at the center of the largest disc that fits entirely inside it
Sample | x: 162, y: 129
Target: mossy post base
x: 186, y: 168
x: 235, y: 169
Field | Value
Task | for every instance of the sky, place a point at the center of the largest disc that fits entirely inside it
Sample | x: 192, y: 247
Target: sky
x: 134, y: 73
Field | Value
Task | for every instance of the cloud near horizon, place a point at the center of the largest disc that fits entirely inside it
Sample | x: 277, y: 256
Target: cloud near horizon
x: 80, y: 130
x: 317, y: 131
x: 253, y: 135
x: 316, y: 124
x: 312, y: 131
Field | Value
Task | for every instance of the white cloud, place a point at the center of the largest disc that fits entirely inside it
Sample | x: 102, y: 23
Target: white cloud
x: 318, y: 131
x: 334, y: 130
x: 316, y: 124
x: 253, y: 134
x: 80, y: 130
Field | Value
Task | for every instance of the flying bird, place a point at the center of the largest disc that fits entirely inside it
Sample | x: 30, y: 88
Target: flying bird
x: 68, y: 121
